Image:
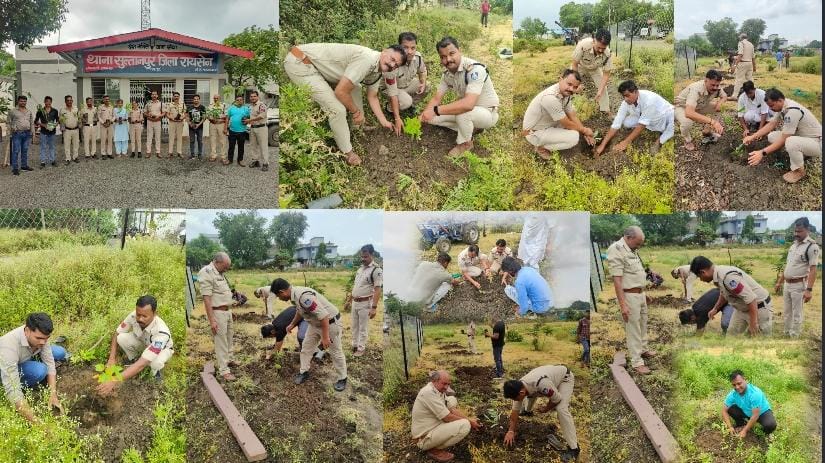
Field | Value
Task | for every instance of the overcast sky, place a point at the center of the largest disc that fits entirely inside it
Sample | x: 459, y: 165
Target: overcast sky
x: 542, y: 9
x: 569, y: 275
x: 784, y: 219
x: 349, y: 229
x: 205, y: 19
x: 798, y: 21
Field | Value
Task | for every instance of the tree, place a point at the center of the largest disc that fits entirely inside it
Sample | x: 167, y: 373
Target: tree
x: 747, y: 230
x: 532, y: 28
x: 709, y: 217
x: 663, y: 14
x: 321, y: 259
x: 502, y: 6
x: 776, y: 44
x: 282, y: 259
x: 700, y: 44
x: 7, y: 67
x: 605, y: 229
x: 571, y: 15
x: 722, y: 34
x: 261, y: 69
x: 705, y: 233
x: 26, y: 21
x: 244, y: 237
x: 753, y: 27
x: 287, y: 229
x: 664, y: 228
x: 200, y: 251
x: 814, y: 44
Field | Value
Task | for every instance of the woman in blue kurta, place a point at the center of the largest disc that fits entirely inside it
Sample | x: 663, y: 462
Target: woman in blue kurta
x: 121, y: 119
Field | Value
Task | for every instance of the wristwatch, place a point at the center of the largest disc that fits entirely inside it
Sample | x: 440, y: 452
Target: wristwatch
x: 435, y: 110
x: 809, y: 289
x: 764, y: 153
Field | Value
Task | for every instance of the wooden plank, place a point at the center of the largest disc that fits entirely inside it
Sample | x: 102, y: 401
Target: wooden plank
x: 252, y: 447
x: 661, y: 438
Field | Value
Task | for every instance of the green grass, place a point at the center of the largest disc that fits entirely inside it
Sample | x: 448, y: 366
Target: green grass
x: 14, y: 241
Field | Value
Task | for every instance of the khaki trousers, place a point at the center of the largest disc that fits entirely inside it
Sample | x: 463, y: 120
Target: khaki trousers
x: 360, y: 323
x: 259, y: 138
x: 445, y: 434
x: 464, y: 124
x: 740, y: 320
x: 792, y: 312
x: 685, y: 124
x: 135, y: 134
x: 798, y: 147
x: 597, y: 75
x: 134, y: 347
x: 176, y: 138
x: 568, y: 428
x: 223, y: 340
x: 217, y: 141
x: 310, y: 345
x: 107, y: 135
x: 636, y: 327
x: 742, y: 73
x: 153, y: 131
x: 71, y: 143
x: 89, y: 141
x: 554, y: 138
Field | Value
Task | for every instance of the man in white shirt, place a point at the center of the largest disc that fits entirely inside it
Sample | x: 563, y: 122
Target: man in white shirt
x: 753, y: 112
x: 641, y: 109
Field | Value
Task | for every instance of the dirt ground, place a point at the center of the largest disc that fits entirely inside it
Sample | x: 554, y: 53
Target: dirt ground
x: 123, y: 420
x: 295, y: 423
x: 464, y: 303
x: 479, y: 395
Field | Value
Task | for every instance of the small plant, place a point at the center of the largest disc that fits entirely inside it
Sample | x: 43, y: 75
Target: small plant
x: 412, y: 127
x: 738, y: 152
x: 106, y: 374
x: 84, y: 355
x: 513, y: 336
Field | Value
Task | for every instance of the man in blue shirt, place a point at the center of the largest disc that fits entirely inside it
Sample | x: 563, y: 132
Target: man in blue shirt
x: 238, y: 115
x: 530, y: 291
x: 746, y: 404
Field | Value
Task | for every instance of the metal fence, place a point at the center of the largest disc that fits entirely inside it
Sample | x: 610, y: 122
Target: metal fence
x: 596, y: 274
x: 403, y: 339
x: 685, y: 62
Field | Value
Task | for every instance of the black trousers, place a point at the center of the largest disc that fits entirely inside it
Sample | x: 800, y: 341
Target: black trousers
x: 239, y: 138
x: 484, y: 19
x: 196, y: 136
x: 766, y: 419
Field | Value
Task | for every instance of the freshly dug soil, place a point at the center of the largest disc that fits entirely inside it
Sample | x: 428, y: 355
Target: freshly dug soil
x: 464, y: 303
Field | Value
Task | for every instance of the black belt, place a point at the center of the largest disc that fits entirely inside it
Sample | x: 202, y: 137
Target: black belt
x: 73, y: 128
x: 21, y: 131
x: 258, y: 126
x: 337, y: 317
x: 90, y: 125
x: 764, y: 303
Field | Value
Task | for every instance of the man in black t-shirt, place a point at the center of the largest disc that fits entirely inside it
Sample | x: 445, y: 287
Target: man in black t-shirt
x: 698, y: 314
x: 497, y: 340
x: 277, y: 330
x: 196, y: 116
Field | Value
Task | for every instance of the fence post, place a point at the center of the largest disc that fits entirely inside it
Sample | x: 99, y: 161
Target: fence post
x: 403, y: 344
x: 42, y: 219
x: 125, y: 224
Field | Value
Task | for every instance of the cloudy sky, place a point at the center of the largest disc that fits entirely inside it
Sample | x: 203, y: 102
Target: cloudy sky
x: 797, y: 21
x: 784, y: 219
x: 569, y: 275
x: 349, y: 229
x: 205, y: 19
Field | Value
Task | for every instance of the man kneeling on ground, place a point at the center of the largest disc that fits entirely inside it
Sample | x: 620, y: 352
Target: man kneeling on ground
x: 747, y: 405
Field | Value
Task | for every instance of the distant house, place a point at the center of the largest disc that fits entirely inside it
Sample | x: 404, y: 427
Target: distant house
x: 730, y: 227
x: 767, y: 42
x: 307, y: 253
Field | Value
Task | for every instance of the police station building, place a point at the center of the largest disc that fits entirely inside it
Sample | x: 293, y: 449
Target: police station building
x: 126, y: 66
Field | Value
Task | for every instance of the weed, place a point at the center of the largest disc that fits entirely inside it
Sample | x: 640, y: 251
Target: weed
x: 412, y: 127
x: 513, y: 336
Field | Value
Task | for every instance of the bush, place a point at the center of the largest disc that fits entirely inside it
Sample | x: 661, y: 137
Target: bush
x: 483, y: 189
x: 430, y: 25
x: 14, y: 241
x: 513, y: 336
x: 535, y: 45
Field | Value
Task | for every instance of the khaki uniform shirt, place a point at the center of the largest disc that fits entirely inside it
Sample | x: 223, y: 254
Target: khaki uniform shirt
x: 683, y: 271
x: 801, y: 257
x: 589, y: 60
x: 737, y: 287
x: 221, y: 107
x: 212, y: 283
x: 464, y: 259
x: 257, y: 110
x: 367, y: 279
x: 427, y: 278
x: 543, y: 382
x: 153, y: 108
x: 429, y: 408
x: 14, y: 350
x: 18, y: 120
x: 408, y: 73
x: 800, y: 122
x: 312, y: 306
x: 336, y: 60
x: 105, y: 113
x: 175, y: 110
x: 547, y: 109
x: 136, y: 115
x: 745, y: 49
x: 478, y: 82
x: 471, y: 329
x: 497, y: 257
x: 697, y: 95
x: 156, y: 336
x: 625, y: 263
x: 70, y: 118
x: 88, y: 116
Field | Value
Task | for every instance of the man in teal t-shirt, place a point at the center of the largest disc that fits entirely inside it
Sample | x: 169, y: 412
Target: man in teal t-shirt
x: 238, y: 115
x: 747, y: 405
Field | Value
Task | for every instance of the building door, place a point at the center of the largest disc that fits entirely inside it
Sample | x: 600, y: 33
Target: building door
x: 141, y: 90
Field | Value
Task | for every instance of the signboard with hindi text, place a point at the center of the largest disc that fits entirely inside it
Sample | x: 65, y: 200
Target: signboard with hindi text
x: 149, y: 62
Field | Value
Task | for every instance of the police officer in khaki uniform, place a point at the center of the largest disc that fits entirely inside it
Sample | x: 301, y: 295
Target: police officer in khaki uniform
x: 260, y: 133
x: 436, y: 422
x: 751, y: 301
x: 471, y: 264
x: 798, y: 279
x: 154, y: 112
x: 592, y: 57
x: 687, y: 278
x: 174, y: 114
x: 70, y: 126
x: 106, y: 116
x: 476, y: 104
x: 550, y: 122
x: 264, y: 294
x: 409, y: 80
x: 88, y: 116
x: 324, y: 328
x: 743, y: 66
x: 554, y: 382
x: 471, y: 337
x: 345, y: 67
x: 629, y: 279
x: 496, y: 257
x: 801, y: 134
x: 136, y: 130
x: 142, y: 334
x: 217, y: 140
x: 217, y: 301
x: 694, y: 104
x: 364, y: 298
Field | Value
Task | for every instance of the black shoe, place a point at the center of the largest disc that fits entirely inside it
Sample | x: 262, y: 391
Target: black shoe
x: 42, y: 165
x: 67, y: 163
x: 265, y: 168
x: 77, y: 161
x: 15, y: 172
x: 340, y: 385
x: 26, y: 168
x: 132, y: 155
x: 254, y: 164
x: 525, y: 413
x: 140, y: 155
x: 570, y: 455
x: 300, y: 378
x: 158, y: 376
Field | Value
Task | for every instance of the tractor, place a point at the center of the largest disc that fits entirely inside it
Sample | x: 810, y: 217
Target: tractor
x: 443, y: 235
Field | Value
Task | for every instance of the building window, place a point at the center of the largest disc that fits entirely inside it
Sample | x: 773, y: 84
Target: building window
x: 196, y: 87
x: 102, y: 87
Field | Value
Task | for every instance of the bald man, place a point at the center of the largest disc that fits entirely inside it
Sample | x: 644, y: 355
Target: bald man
x: 217, y: 302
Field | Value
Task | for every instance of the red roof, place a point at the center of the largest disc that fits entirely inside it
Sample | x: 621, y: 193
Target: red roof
x: 142, y: 35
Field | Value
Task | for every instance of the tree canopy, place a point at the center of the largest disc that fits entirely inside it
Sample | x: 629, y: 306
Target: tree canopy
x: 244, y: 237
x: 260, y: 70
